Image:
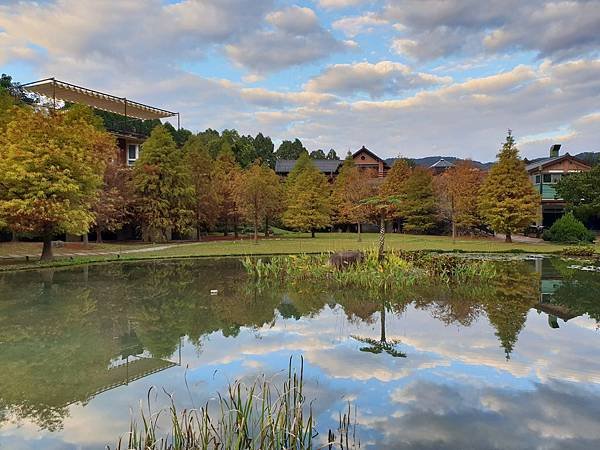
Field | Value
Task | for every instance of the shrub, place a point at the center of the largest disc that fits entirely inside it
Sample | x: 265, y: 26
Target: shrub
x: 568, y: 229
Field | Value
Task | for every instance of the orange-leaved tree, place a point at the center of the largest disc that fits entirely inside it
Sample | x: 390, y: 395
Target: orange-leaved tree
x: 352, y: 186
x: 113, y: 207
x: 52, y: 166
x: 260, y: 195
x: 228, y: 174
x: 457, y: 191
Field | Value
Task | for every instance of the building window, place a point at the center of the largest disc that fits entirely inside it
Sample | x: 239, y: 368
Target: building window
x: 556, y: 177
x: 133, y: 153
x: 547, y: 178
x: 538, y: 179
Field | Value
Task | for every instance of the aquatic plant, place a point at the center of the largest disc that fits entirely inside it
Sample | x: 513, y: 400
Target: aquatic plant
x: 396, y: 269
x: 580, y: 251
x: 261, y: 416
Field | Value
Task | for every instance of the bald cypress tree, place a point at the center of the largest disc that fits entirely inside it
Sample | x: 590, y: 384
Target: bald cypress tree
x: 508, y: 199
x: 307, y: 192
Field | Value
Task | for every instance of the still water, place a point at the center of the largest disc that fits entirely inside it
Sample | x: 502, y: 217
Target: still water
x: 513, y: 364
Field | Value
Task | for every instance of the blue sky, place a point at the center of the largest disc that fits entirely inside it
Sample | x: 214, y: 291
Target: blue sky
x: 403, y: 77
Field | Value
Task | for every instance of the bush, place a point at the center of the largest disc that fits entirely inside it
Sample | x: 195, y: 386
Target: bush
x: 569, y: 230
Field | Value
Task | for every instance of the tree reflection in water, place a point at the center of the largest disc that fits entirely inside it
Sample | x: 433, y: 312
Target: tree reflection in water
x: 383, y: 344
x: 62, y: 332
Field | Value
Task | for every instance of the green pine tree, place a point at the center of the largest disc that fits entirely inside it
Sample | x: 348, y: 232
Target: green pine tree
x: 508, y: 199
x: 162, y: 182
x: 308, y: 205
x: 420, y: 208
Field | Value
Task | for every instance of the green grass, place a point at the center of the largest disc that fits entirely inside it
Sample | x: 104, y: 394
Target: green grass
x: 325, y: 242
x: 298, y: 243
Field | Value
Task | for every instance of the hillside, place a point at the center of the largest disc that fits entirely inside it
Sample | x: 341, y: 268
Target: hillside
x: 591, y: 158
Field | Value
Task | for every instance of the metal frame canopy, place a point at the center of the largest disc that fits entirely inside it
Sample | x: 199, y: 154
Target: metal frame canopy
x: 60, y: 90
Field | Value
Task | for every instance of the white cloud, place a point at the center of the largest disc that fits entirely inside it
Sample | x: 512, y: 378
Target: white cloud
x: 384, y: 77
x: 335, y: 4
x: 296, y: 38
x: 355, y: 25
x: 440, y: 28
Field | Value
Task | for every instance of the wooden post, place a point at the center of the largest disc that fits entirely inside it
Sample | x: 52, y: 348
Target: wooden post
x: 54, y: 93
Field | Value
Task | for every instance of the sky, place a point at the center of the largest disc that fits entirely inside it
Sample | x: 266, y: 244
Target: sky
x: 403, y: 77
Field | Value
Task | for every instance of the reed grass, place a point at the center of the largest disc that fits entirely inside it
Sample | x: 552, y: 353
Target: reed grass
x: 397, y: 269
x: 261, y: 415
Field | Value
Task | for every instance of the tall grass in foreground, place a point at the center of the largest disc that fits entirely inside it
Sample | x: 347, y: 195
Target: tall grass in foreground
x: 399, y: 268
x: 258, y: 416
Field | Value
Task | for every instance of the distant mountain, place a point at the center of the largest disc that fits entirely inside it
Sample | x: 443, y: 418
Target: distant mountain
x: 428, y: 161
x: 591, y: 158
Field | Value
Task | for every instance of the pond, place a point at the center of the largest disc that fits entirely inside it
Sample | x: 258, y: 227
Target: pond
x: 514, y: 363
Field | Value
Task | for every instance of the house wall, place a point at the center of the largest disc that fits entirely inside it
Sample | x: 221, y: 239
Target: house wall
x: 365, y: 161
x: 551, y: 207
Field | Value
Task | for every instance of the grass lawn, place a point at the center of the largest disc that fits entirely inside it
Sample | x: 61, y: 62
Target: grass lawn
x: 325, y: 242
x: 288, y: 243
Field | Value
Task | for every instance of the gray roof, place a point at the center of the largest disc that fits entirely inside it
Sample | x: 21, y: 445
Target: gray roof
x: 441, y: 164
x: 285, y: 166
x: 539, y: 163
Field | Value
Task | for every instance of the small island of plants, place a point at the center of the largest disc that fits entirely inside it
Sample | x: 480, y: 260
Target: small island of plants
x: 397, y: 269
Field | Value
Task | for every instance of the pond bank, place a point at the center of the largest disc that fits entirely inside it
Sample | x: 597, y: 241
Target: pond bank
x: 323, y: 243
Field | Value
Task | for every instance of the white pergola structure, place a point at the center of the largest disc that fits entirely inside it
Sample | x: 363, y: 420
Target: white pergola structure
x: 128, y: 142
x: 57, y: 90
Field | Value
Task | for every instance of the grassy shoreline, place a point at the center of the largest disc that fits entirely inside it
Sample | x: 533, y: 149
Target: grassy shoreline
x: 290, y: 245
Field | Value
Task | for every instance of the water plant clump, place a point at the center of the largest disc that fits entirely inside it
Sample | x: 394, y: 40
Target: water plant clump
x: 261, y: 415
x: 396, y: 269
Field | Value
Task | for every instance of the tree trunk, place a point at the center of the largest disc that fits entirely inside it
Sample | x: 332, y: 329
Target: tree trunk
x: 453, y: 231
x: 312, y: 232
x: 235, y: 228
x: 99, y: 236
x: 508, y: 238
x: 358, y: 231
x: 198, y: 233
x: 382, y: 338
x: 226, y: 228
x: 453, y: 220
x: 381, y: 253
x: 86, y: 240
x: 47, y: 249
x: 266, y: 227
x: 15, y: 237
x: 255, y: 229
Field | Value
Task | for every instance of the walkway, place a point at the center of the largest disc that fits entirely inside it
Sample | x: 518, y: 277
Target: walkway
x: 61, y: 253
x: 520, y: 238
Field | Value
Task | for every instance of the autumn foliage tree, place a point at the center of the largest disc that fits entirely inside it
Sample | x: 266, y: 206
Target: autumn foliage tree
x: 307, y: 193
x: 163, y: 188
x: 457, y: 191
x: 394, y: 186
x: 352, y: 186
x: 259, y: 195
x: 508, y: 199
x: 52, y: 166
x: 113, y: 207
x: 228, y: 174
x: 202, y: 169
